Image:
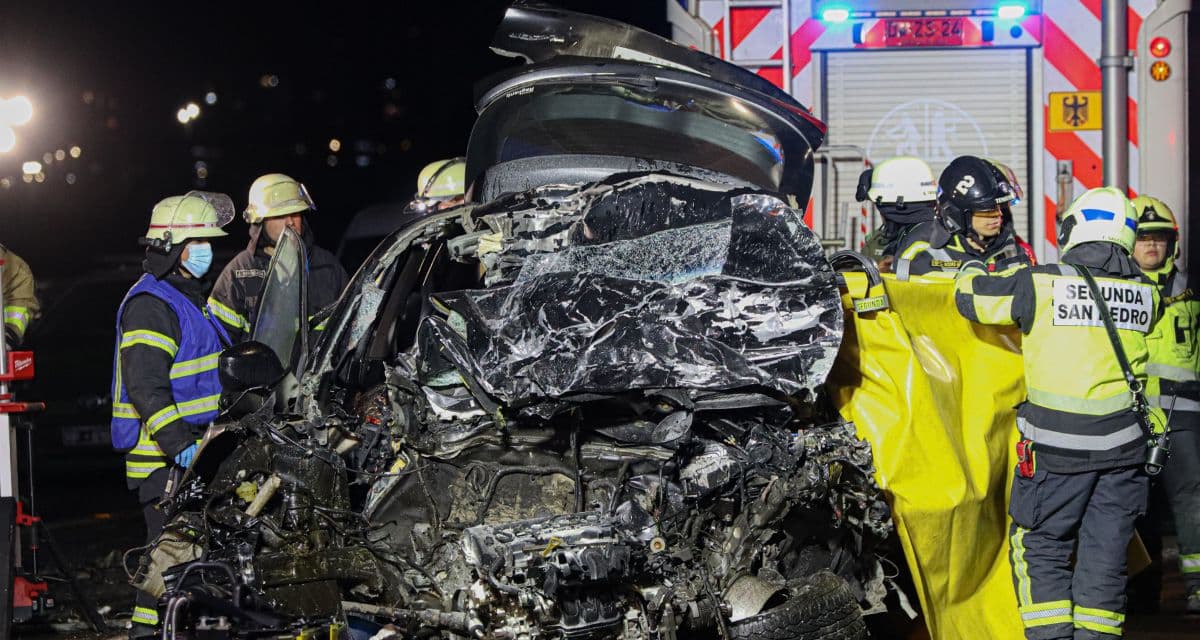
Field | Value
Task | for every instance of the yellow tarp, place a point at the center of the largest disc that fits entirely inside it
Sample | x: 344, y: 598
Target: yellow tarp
x: 935, y: 395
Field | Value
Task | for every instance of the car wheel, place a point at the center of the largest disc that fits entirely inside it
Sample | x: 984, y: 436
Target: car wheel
x: 819, y: 607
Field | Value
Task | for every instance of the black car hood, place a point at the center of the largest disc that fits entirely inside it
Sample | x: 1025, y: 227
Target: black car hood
x: 539, y: 33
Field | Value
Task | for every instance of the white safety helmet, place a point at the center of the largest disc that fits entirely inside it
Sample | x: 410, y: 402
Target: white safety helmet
x: 899, y: 180
x: 1102, y: 214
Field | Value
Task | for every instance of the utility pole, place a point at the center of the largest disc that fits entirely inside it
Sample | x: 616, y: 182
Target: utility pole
x: 1115, y: 63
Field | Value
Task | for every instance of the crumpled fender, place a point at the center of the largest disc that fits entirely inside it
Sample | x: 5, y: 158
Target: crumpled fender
x: 936, y: 397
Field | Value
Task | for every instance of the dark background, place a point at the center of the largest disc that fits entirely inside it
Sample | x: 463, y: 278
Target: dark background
x: 393, y: 82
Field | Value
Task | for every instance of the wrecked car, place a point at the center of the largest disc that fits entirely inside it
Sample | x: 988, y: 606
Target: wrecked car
x: 585, y: 405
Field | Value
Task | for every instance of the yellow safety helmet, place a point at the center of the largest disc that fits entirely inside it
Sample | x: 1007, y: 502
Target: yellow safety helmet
x: 1102, y: 214
x: 1155, y: 215
x: 276, y: 194
x: 442, y: 180
x: 196, y: 214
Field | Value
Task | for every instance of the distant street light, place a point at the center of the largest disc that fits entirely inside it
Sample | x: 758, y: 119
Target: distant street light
x: 31, y: 167
x: 14, y: 112
x: 187, y: 113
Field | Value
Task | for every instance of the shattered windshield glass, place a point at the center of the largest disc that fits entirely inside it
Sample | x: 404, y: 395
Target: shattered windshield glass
x: 280, y: 310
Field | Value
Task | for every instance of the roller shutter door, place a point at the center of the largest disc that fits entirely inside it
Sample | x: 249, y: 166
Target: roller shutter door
x: 933, y: 104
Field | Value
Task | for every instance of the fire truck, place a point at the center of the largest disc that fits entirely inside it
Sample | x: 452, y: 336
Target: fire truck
x: 1018, y: 81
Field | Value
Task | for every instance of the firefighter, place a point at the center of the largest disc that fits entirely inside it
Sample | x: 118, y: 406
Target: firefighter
x: 973, y: 196
x: 1174, y: 377
x: 440, y: 185
x: 20, y: 300
x: 1083, y: 445
x: 1007, y: 174
x: 276, y: 201
x: 165, y: 386
x: 904, y: 192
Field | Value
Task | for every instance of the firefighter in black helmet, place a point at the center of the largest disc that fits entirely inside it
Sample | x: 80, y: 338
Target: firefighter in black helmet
x: 973, y: 224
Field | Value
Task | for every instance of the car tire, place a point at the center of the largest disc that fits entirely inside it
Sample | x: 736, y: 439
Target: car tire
x: 819, y: 607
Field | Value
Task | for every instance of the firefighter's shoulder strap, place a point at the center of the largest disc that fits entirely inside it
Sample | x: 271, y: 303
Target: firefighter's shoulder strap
x: 1135, y: 386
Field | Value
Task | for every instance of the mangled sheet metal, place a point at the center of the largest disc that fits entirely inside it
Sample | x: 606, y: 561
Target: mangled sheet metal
x: 640, y: 283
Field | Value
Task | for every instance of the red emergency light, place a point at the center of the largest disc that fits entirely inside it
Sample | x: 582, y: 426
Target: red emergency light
x: 1160, y: 47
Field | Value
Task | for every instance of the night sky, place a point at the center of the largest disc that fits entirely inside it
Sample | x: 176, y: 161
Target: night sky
x: 393, y: 83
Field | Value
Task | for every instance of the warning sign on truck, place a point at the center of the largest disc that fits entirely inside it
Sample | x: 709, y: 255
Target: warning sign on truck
x: 1131, y: 304
x: 1074, y: 111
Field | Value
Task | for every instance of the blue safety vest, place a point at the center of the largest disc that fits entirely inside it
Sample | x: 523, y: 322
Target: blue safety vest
x: 194, y: 382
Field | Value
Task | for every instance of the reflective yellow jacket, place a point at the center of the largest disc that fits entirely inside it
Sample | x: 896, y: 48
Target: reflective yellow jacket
x: 1079, y: 408
x: 1174, y: 348
x: 20, y: 301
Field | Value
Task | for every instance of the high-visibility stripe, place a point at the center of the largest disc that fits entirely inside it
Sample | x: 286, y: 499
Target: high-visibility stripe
x: 192, y: 367
x: 143, y: 615
x: 124, y: 410
x: 1099, y: 620
x: 147, y: 448
x: 1021, y: 568
x: 802, y: 41
x: 743, y: 22
x: 1046, y: 613
x: 162, y: 418
x: 1190, y: 563
x: 142, y: 469
x: 18, y: 317
x: 913, y: 249
x: 227, y: 315
x: 1064, y: 54
x: 1077, y: 442
x: 1179, y: 374
x: 151, y: 338
x: 1173, y: 403
x: 199, y: 405
x: 1068, y: 404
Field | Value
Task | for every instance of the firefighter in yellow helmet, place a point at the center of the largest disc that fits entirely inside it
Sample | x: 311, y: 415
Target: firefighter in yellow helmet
x: 1174, y: 377
x: 20, y: 300
x: 276, y: 201
x: 1084, y: 449
x: 165, y: 386
x: 440, y: 185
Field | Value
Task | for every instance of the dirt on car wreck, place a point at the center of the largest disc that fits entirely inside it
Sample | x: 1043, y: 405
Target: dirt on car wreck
x: 577, y: 410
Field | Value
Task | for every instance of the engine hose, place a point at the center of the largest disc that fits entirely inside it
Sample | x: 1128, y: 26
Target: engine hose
x: 492, y: 580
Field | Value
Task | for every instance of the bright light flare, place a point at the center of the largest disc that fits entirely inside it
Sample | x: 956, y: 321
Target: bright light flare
x: 16, y: 111
x: 31, y: 167
x: 8, y: 139
x: 835, y: 14
x: 1010, y: 11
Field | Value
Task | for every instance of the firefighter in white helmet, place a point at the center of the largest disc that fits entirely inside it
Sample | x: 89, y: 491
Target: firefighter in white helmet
x: 904, y: 192
x: 440, y: 185
x: 1174, y: 377
x: 164, y: 391
x: 1083, y: 457
x: 276, y: 201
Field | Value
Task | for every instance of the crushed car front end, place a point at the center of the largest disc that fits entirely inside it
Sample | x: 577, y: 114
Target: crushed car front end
x: 587, y: 405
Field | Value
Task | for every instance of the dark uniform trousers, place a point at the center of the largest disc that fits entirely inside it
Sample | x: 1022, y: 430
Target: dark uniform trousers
x: 1051, y: 513
x: 150, y: 493
x: 1181, y: 480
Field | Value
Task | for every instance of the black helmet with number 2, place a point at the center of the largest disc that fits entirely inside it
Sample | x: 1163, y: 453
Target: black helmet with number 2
x: 970, y: 184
